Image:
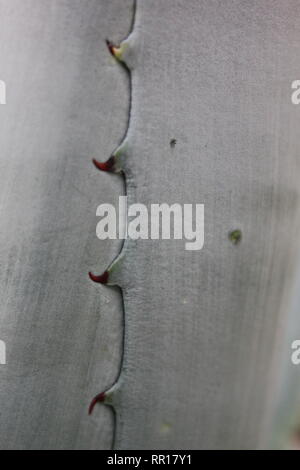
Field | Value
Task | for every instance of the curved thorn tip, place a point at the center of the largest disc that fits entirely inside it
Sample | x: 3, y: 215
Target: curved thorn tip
x: 112, y: 48
x: 101, y: 279
x: 97, y: 399
x: 105, y: 166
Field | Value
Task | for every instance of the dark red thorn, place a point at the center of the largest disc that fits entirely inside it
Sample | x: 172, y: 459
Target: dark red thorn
x: 111, y: 47
x: 102, y: 279
x: 105, y: 166
x: 98, y: 399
